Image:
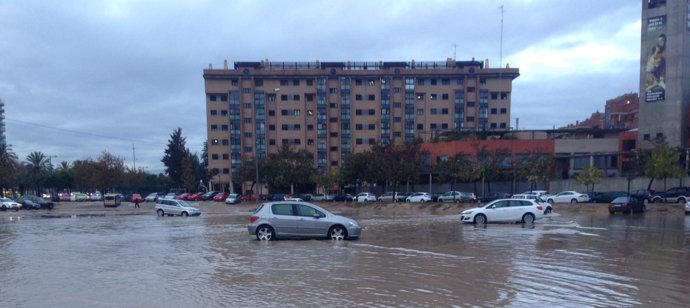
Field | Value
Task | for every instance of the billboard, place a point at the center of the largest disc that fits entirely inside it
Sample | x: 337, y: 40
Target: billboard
x: 655, y: 68
x: 655, y: 3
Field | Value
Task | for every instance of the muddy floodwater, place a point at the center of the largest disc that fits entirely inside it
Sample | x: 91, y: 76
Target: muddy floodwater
x: 404, y: 259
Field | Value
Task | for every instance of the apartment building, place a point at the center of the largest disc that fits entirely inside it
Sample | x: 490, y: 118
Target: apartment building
x: 333, y: 109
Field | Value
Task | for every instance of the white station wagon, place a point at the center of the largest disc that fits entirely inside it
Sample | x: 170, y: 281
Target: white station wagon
x: 504, y: 210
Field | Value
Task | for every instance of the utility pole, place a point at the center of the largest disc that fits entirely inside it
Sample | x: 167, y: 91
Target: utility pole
x: 134, y: 158
x: 500, y: 65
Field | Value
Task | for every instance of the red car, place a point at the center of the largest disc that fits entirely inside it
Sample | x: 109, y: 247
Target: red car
x: 248, y: 198
x: 183, y: 196
x: 221, y: 197
x: 195, y: 197
x: 136, y: 198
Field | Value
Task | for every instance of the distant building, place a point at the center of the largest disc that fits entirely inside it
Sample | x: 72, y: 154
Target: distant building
x: 622, y: 112
x: 332, y: 109
x: 664, y: 73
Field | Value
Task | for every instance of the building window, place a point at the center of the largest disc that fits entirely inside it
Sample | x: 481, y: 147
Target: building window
x: 372, y: 126
x: 372, y: 141
x: 247, y: 90
x: 503, y: 125
x: 271, y: 113
x: 333, y: 134
x: 397, y: 90
x: 247, y: 134
x: 358, y: 112
x: 226, y: 170
x: 444, y: 96
x: 214, y: 127
x: 358, y: 97
x: 420, y: 111
x: 295, y: 97
x: 333, y: 105
x: 420, y: 126
x: 494, y: 111
x: 247, y: 105
x: 284, y: 82
x: 470, y: 119
x: 493, y: 125
x: 504, y: 110
x: 295, y: 83
x: 444, y: 111
x: 310, y: 82
x: 310, y: 126
x: 470, y: 89
x: 397, y: 119
x: 224, y: 113
x: 372, y: 111
x: 334, y: 163
x: 445, y: 82
x: 333, y: 120
x: 271, y: 142
x: 470, y: 104
x: 296, y: 112
x: 214, y: 156
x: 226, y: 156
x: 284, y: 112
x: 259, y: 82
x: 358, y: 82
x: 284, y: 97
x: 482, y: 80
x: 310, y: 141
x: 334, y: 149
x: 271, y: 127
x: 372, y: 97
x: 333, y: 90
x: 359, y: 126
x: 271, y: 97
x: 224, y: 127
x: 444, y: 126
x: 248, y: 149
x: 224, y: 142
x: 397, y: 105
x: 247, y: 120
x: 214, y: 112
x: 433, y: 111
x: 297, y: 141
x: 309, y: 97
x: 234, y: 82
x: 397, y: 134
x: 358, y: 141
x: 433, y: 96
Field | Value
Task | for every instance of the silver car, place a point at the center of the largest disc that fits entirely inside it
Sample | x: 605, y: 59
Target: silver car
x: 175, y: 207
x: 300, y: 219
x: 9, y: 204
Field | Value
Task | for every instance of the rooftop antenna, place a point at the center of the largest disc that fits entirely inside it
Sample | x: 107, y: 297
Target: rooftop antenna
x: 500, y: 63
x: 455, y: 49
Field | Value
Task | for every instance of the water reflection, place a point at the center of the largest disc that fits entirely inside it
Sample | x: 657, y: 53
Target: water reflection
x: 403, y: 259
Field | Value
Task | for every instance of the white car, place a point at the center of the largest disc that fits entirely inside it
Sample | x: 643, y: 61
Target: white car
x: 175, y: 207
x: 457, y: 196
x: 687, y: 207
x: 232, y: 199
x: 419, y: 197
x: 541, y: 193
x: 364, y: 197
x: 567, y: 197
x: 9, y: 204
x: 547, y: 207
x: 504, y: 210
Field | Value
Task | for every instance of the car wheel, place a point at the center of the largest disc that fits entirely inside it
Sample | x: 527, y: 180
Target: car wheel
x: 681, y: 200
x: 645, y: 201
x: 265, y: 233
x: 337, y: 233
x: 480, y: 219
x: 422, y: 201
x: 16, y: 209
x: 549, y: 201
x: 658, y: 200
x: 458, y: 200
x: 611, y: 212
x: 573, y: 201
x: 547, y: 211
x: 528, y: 218
x: 3, y: 208
x: 160, y: 212
x: 185, y: 214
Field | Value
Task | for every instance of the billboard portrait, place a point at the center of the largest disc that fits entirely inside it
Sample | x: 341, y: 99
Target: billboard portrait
x: 655, y: 68
x: 655, y: 3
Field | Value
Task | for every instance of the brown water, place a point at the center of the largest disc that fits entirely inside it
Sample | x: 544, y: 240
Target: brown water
x: 404, y: 259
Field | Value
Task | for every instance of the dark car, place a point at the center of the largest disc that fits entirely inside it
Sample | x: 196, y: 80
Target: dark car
x: 626, y: 205
x: 34, y: 202
x: 275, y: 197
x: 646, y: 195
x: 607, y: 196
x: 492, y: 196
x: 343, y: 197
x: 673, y: 195
x: 209, y: 195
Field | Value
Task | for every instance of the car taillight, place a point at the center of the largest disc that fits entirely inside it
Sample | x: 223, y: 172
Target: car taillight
x: 253, y: 218
x: 539, y: 207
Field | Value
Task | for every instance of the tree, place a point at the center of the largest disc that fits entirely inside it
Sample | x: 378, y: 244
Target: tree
x: 663, y: 163
x: 8, y: 163
x: 590, y: 176
x: 174, y: 155
x: 110, y: 172
x: 534, y: 167
x: 288, y: 169
x: 37, y: 167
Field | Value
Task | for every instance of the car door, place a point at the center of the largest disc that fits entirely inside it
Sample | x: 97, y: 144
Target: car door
x: 498, y: 211
x: 283, y: 219
x: 312, y: 222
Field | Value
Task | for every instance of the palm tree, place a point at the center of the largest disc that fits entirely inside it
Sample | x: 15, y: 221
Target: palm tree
x: 38, y: 165
x: 8, y: 162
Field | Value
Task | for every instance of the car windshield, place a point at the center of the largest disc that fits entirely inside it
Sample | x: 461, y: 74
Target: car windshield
x: 5, y: 200
x: 184, y: 203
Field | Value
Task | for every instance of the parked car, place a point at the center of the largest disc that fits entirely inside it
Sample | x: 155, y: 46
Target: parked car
x: 343, y: 197
x: 233, y: 199
x: 9, y: 204
x: 152, y: 197
x: 112, y: 200
x: 544, y: 194
x: 318, y: 197
x: 626, y: 205
x: 494, y: 196
x: 182, y: 196
x: 196, y: 197
x: 300, y: 219
x: 306, y: 197
x: 457, y: 196
x: 292, y: 198
x: 504, y: 210
x: 275, y: 197
x: 687, y: 208
x: 97, y: 196
x: 220, y: 197
x: 548, y: 208
x: 170, y: 196
x: 673, y: 195
x: 175, y: 207
x: 30, y: 202
x: 81, y: 197
x: 646, y: 195
x: 419, y: 197
x: 607, y: 196
x: 135, y: 198
x: 568, y: 197
x: 391, y: 196
x: 209, y: 195
x: 248, y: 198
x: 364, y: 197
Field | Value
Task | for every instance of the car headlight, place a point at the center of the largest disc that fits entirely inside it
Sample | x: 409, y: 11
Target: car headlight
x: 354, y: 224
x: 466, y: 213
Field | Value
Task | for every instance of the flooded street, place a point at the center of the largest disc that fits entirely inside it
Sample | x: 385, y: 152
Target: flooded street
x: 404, y: 259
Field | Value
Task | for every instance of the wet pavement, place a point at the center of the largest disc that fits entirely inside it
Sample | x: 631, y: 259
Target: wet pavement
x: 404, y: 259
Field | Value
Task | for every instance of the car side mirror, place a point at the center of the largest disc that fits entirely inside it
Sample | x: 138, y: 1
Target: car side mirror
x: 316, y: 216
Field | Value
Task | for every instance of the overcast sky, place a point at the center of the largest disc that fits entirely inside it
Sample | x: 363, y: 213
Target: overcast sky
x: 82, y: 77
